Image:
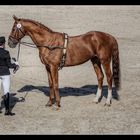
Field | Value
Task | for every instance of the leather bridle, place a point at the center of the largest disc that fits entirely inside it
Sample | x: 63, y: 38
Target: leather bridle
x: 18, y: 31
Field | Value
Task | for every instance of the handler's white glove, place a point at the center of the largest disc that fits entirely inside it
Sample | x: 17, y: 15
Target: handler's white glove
x: 17, y: 65
x: 16, y: 62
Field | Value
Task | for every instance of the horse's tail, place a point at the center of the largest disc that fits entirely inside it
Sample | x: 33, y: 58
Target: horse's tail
x: 116, y: 66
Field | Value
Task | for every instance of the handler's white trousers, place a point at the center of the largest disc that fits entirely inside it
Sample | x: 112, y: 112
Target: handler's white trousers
x: 5, y: 83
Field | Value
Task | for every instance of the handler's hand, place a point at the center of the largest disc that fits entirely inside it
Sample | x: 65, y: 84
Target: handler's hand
x: 15, y: 69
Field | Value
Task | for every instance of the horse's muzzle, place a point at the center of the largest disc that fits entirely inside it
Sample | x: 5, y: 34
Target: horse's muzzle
x: 12, y: 43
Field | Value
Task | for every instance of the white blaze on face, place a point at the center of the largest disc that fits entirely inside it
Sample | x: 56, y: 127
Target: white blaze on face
x: 18, y: 25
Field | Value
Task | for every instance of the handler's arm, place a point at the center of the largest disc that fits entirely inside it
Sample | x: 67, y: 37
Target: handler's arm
x: 8, y: 61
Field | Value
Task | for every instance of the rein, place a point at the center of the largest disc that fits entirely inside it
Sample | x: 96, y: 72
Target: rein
x: 25, y: 44
x: 28, y: 44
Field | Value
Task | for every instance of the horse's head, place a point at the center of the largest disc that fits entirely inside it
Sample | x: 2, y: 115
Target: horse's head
x: 17, y: 33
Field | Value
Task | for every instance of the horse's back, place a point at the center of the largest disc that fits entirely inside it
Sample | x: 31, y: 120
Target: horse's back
x: 102, y: 39
x: 102, y: 36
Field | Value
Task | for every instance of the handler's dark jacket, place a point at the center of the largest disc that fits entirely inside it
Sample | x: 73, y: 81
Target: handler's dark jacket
x: 5, y: 62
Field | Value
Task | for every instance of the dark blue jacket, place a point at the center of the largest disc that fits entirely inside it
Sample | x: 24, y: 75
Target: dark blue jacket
x: 5, y: 62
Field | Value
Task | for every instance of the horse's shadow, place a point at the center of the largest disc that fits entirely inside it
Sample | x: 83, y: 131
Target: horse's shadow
x: 13, y: 101
x: 70, y: 91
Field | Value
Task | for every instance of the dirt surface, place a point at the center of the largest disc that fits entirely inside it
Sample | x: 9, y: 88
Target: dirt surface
x: 78, y: 85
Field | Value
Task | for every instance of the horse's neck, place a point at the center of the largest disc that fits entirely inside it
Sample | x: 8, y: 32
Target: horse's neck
x: 44, y: 37
x: 39, y: 36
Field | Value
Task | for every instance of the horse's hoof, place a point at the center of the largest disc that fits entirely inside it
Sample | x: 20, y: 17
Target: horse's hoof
x: 96, y: 101
x: 107, y: 104
x: 48, y: 104
x: 56, y: 108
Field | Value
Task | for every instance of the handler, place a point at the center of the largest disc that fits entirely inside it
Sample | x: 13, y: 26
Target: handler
x: 5, y: 65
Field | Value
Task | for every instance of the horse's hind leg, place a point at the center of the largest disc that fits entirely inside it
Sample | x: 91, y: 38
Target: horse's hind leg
x: 108, y: 72
x: 98, y: 70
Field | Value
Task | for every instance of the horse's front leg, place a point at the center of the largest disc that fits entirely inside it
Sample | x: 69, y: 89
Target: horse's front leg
x: 54, y: 75
x: 52, y: 98
x: 52, y: 94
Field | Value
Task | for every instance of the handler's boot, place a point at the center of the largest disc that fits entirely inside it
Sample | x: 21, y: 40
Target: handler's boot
x: 0, y: 109
x: 7, y: 106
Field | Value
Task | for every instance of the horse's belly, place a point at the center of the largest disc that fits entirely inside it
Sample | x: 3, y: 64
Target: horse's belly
x: 77, y: 60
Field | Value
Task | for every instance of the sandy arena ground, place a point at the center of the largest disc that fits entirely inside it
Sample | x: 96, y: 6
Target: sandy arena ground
x: 78, y: 114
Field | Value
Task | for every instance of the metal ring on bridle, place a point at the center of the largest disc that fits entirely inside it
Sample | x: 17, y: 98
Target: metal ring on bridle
x: 18, y: 25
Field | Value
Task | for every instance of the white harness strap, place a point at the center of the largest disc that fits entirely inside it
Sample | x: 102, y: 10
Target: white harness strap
x: 65, y: 44
x: 62, y: 63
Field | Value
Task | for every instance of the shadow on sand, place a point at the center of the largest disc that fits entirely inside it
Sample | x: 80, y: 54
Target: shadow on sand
x: 70, y: 91
x: 13, y: 101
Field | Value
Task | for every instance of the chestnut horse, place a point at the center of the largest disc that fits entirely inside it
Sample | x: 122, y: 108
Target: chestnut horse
x: 99, y: 47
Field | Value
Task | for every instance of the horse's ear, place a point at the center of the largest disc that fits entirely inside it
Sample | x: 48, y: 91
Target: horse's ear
x: 15, y: 18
